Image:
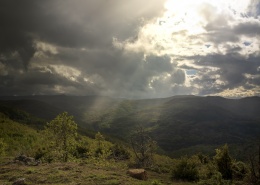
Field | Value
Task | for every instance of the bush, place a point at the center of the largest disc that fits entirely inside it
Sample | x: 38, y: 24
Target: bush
x: 46, y: 154
x: 185, y: 170
x: 162, y: 164
x: 40, y: 153
x: 156, y: 182
x: 99, y: 148
x: 224, y: 162
x: 203, y: 158
x: 216, y: 179
x: 81, y: 151
x: 119, y: 152
x: 239, y: 170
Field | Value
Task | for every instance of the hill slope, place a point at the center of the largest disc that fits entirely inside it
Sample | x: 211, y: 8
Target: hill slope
x: 180, y: 123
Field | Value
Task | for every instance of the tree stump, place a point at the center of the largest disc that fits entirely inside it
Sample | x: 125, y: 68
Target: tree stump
x: 140, y: 174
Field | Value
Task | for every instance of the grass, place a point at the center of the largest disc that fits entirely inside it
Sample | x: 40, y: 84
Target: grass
x: 77, y: 174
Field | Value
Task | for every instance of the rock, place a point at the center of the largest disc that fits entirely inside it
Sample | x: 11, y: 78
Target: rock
x: 20, y: 181
x: 29, y: 160
x: 26, y: 160
x: 20, y: 158
x: 140, y: 174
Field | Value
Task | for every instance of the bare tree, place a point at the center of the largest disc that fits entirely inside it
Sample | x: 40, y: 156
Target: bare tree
x: 143, y: 146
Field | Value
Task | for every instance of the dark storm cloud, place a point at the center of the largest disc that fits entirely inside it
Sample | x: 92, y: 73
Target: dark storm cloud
x: 42, y: 81
x: 232, y: 69
x: 158, y: 64
x: 166, y: 86
x: 249, y: 28
x: 178, y: 77
x: 67, y: 46
x: 207, y: 80
x: 109, y: 72
x: 127, y: 74
x: 224, y: 34
x: 14, y: 33
x: 83, y: 33
x: 79, y: 23
x: 116, y: 68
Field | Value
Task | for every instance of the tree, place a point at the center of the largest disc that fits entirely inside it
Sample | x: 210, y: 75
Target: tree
x: 224, y: 162
x: 100, y: 149
x: 63, y: 132
x: 99, y: 138
x: 143, y: 146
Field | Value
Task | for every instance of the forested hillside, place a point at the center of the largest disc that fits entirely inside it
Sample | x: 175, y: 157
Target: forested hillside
x: 180, y: 124
x: 60, y: 152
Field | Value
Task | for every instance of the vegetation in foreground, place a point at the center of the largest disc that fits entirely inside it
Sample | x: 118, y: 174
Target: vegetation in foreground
x: 69, y: 158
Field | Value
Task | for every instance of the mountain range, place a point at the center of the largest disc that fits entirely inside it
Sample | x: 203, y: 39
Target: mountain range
x: 179, y: 124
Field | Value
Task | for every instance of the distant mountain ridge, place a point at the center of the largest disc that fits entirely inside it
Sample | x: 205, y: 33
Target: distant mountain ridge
x: 179, y: 123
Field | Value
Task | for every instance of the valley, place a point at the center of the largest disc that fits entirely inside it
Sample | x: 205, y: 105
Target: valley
x: 179, y: 124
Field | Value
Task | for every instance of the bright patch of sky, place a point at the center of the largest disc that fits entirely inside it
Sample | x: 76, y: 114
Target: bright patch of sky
x: 199, y: 28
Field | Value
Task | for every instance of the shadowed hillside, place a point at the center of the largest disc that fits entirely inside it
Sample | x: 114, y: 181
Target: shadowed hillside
x: 180, y: 123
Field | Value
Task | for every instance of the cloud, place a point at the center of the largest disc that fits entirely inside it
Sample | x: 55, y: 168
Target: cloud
x: 209, y: 37
x: 69, y: 24
x: 250, y: 28
x: 229, y: 71
x: 134, y: 49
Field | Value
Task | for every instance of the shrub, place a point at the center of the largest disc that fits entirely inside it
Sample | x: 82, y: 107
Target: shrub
x: 119, y: 152
x: 185, y: 170
x: 40, y: 153
x: 203, y: 158
x: 162, y: 164
x: 81, y: 147
x: 81, y: 151
x: 224, y: 162
x: 156, y: 182
x: 239, y: 170
x: 216, y: 179
x: 99, y: 148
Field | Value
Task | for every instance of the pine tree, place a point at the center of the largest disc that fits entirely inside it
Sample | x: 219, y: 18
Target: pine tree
x: 63, y: 132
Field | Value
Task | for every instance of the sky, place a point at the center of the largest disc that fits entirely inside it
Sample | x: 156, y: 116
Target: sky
x: 130, y: 49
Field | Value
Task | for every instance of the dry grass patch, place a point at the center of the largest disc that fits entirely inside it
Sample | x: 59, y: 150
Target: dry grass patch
x: 76, y: 174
